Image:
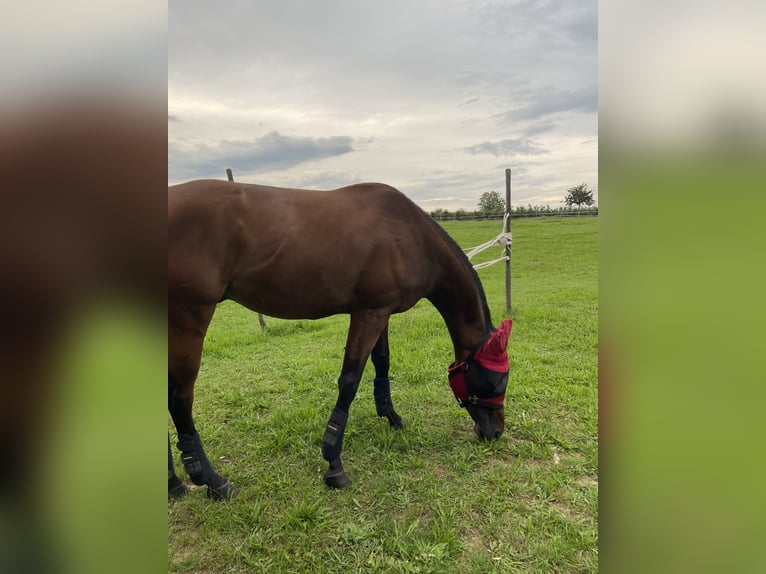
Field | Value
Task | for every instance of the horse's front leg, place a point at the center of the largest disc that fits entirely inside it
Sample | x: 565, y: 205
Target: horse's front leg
x: 196, y: 463
x: 382, y: 392
x: 365, y: 328
x: 184, y: 354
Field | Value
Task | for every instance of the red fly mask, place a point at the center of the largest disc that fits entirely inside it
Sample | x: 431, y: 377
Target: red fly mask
x: 482, y: 378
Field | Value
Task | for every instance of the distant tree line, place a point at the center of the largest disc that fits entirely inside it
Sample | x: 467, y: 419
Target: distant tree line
x: 492, y: 206
x: 516, y: 211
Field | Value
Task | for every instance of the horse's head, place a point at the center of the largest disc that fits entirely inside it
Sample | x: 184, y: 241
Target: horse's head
x: 480, y: 380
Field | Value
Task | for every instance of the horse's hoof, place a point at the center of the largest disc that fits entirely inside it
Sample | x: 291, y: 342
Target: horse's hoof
x: 178, y: 490
x: 223, y: 492
x: 397, y: 423
x: 337, y: 479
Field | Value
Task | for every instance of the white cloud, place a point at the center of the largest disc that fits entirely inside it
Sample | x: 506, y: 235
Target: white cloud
x: 411, y: 86
x: 509, y: 147
x: 200, y: 159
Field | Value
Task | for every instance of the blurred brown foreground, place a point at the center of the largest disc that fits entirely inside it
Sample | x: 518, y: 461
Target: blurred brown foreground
x: 82, y: 344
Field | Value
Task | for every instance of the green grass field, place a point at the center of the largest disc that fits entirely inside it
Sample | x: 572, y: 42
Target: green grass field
x: 430, y: 498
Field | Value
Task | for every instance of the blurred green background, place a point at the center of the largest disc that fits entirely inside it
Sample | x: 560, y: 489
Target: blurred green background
x: 681, y: 362
x: 682, y: 143
x: 103, y: 466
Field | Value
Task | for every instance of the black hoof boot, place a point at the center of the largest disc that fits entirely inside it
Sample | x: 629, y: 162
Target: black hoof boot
x: 177, y: 488
x: 336, y: 477
x: 220, y: 488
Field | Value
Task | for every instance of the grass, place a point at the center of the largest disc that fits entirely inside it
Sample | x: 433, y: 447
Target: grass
x: 430, y: 498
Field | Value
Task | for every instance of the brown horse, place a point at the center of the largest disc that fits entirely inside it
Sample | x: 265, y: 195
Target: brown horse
x: 365, y: 250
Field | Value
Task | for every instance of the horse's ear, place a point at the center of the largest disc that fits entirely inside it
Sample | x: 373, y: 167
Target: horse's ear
x: 499, y: 339
x: 492, y: 354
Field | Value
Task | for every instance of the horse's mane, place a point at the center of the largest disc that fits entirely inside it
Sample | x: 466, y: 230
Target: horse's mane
x: 464, y: 258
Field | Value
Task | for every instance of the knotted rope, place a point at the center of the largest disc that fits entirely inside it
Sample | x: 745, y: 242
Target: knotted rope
x: 505, y: 239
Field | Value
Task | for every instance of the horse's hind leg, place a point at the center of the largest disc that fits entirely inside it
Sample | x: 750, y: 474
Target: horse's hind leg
x: 380, y: 359
x: 365, y: 329
x: 184, y: 353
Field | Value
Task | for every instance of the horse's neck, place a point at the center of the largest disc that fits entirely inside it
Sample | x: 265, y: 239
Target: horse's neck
x: 459, y: 299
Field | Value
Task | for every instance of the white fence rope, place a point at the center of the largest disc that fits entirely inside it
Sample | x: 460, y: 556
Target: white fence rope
x: 504, y: 238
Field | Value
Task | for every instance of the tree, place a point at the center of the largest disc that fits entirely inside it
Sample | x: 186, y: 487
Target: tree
x: 490, y: 203
x: 579, y: 195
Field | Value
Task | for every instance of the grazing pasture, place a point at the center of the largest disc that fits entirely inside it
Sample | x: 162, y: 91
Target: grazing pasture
x: 431, y: 497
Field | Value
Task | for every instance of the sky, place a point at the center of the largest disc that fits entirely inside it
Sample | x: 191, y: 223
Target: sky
x: 434, y: 97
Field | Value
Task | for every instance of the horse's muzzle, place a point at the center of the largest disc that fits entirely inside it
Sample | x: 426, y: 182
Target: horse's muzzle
x: 493, y: 434
x: 489, y: 423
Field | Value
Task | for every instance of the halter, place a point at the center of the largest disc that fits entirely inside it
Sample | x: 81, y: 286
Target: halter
x: 489, y: 390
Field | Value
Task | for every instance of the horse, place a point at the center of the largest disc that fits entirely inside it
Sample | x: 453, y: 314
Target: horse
x: 365, y: 250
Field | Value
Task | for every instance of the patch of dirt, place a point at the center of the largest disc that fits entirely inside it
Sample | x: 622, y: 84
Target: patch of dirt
x: 587, y: 480
x: 182, y: 553
x: 564, y: 509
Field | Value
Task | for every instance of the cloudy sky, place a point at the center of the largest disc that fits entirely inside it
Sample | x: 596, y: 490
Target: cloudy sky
x: 435, y: 97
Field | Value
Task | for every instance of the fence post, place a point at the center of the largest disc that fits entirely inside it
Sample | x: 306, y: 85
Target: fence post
x: 507, y: 229
x: 261, y: 321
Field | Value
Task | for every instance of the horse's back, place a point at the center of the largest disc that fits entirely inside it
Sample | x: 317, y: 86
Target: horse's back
x: 257, y: 202
x: 299, y: 253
